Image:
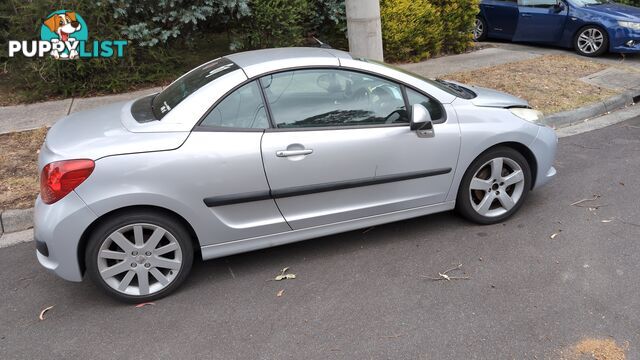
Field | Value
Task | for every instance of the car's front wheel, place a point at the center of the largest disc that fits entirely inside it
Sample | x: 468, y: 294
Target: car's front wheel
x: 591, y: 41
x: 480, y: 29
x: 139, y: 256
x: 494, y: 186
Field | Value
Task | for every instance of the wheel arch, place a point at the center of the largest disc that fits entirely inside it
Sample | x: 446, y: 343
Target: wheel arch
x: 592, y: 24
x: 84, y: 239
x: 523, y: 150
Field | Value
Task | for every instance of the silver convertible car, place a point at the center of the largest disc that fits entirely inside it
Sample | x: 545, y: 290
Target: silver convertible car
x: 268, y: 147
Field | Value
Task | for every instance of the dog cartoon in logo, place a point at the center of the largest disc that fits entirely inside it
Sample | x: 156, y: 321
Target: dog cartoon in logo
x: 63, y: 25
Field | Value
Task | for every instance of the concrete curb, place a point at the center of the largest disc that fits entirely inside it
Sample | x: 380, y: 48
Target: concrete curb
x: 572, y: 117
x: 16, y: 220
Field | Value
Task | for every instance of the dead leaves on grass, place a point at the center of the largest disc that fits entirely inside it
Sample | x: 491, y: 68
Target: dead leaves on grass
x: 550, y: 83
x: 18, y: 168
x: 598, y: 349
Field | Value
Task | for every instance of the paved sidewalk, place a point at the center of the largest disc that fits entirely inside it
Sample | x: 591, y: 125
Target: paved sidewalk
x: 470, y: 61
x: 33, y: 116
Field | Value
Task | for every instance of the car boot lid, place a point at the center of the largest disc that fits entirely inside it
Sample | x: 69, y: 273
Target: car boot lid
x: 100, y: 132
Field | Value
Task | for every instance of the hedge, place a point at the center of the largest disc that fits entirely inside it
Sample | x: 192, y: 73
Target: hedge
x: 414, y: 30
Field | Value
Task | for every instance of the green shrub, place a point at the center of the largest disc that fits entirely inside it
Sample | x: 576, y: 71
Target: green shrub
x: 414, y: 30
x: 410, y: 30
x: 458, y: 17
x: 143, y: 64
x: 273, y: 23
x: 327, y: 21
x: 631, y: 2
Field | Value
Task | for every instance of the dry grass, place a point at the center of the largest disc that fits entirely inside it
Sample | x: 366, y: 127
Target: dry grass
x: 550, y: 83
x: 18, y: 168
x: 597, y: 349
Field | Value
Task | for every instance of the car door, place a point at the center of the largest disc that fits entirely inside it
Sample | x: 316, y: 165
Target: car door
x: 342, y: 149
x: 222, y: 163
x: 541, y: 20
x: 501, y: 17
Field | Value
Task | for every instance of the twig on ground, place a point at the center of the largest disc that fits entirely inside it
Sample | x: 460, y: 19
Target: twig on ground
x: 445, y: 276
x: 595, y: 197
x: 41, y: 316
x: 586, y: 147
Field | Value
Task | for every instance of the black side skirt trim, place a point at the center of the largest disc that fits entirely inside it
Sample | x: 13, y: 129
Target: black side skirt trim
x: 319, y: 188
x: 237, y: 198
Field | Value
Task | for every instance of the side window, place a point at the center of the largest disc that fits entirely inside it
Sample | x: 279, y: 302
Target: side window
x: 326, y: 97
x: 243, y: 108
x: 538, y: 3
x: 434, y: 108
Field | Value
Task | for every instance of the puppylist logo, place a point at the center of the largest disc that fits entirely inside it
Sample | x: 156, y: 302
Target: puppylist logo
x: 65, y: 36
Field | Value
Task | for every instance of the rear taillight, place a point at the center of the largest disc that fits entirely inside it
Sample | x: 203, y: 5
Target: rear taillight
x: 61, y: 177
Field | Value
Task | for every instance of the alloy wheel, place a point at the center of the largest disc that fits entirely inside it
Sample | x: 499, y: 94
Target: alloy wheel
x: 496, y: 187
x: 590, y: 40
x: 478, y: 29
x: 139, y: 259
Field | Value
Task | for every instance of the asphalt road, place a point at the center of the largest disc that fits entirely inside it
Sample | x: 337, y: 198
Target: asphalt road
x: 359, y: 295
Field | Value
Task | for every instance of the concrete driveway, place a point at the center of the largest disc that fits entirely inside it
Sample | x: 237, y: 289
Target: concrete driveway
x: 359, y: 295
x: 609, y: 59
x: 497, y: 53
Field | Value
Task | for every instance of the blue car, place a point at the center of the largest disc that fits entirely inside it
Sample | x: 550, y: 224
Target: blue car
x: 591, y: 27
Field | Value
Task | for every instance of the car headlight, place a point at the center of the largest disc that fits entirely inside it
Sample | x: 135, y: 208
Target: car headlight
x: 630, y: 25
x: 530, y: 115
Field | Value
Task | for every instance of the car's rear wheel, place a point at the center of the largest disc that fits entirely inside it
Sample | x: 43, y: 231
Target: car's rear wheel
x: 591, y: 41
x: 480, y: 29
x: 139, y: 256
x: 494, y: 186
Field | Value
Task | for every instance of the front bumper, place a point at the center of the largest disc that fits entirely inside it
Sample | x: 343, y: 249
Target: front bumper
x: 544, y: 149
x: 625, y: 40
x: 58, y: 228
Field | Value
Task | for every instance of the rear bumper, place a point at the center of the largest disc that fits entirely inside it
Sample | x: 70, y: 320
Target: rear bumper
x: 58, y: 229
x: 544, y: 149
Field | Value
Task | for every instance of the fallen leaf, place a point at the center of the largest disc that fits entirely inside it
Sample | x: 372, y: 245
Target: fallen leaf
x: 280, y: 293
x: 41, y: 317
x: 284, y: 276
x: 145, y: 304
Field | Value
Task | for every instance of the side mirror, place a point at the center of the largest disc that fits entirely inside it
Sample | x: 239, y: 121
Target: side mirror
x: 421, y: 121
x: 559, y: 6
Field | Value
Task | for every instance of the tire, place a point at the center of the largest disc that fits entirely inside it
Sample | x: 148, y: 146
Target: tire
x: 480, y: 29
x: 487, y: 202
x: 117, y: 265
x: 591, y: 41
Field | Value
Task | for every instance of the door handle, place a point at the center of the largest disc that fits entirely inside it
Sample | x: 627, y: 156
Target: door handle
x: 489, y: 7
x: 525, y: 15
x: 285, y: 153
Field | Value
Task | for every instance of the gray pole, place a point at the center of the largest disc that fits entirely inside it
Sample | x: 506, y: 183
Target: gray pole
x: 364, y: 29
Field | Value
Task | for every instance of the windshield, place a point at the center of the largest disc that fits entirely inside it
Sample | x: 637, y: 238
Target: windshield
x: 591, y: 2
x: 188, y: 84
x: 453, y: 89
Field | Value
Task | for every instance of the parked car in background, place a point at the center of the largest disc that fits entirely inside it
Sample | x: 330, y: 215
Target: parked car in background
x: 591, y: 27
x: 268, y: 147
